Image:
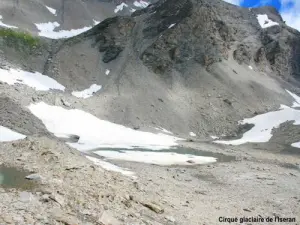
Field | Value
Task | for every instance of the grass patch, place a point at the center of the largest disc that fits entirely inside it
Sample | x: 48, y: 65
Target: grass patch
x: 22, y: 39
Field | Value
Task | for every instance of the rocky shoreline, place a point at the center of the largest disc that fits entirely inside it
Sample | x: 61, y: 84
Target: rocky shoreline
x: 69, y: 189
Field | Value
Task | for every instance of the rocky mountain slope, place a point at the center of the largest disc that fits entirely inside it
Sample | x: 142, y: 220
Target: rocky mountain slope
x: 193, y: 65
x: 122, y: 113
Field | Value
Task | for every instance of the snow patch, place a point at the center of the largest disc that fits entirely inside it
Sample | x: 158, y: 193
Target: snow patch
x: 7, y: 134
x: 214, y: 137
x: 87, y: 93
x: 96, y: 133
x: 47, y: 30
x: 264, y: 21
x: 250, y: 67
x: 53, y: 11
x: 140, y: 4
x: 172, y: 25
x: 96, y: 22
x: 111, y: 167
x: 5, y: 25
x: 192, y: 134
x: 35, y: 80
x: 264, y: 124
x: 158, y: 158
x: 120, y: 7
x: 107, y: 71
x: 296, y: 145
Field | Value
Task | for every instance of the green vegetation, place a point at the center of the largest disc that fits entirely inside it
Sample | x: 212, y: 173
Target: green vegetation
x: 19, y: 39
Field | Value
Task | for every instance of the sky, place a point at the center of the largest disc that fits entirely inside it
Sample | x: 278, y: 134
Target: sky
x: 289, y: 9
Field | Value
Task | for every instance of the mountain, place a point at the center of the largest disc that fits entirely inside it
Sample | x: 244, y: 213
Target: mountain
x: 27, y: 15
x: 194, y: 56
x: 148, y: 112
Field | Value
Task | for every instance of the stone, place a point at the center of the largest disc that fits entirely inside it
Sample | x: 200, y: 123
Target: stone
x: 34, y: 176
x: 57, y: 198
x: 26, y: 196
x: 154, y: 207
x: 65, y: 103
x: 111, y: 53
x: 170, y: 218
x: 64, y: 218
x: 7, y: 219
x: 45, y: 198
x: 107, y: 219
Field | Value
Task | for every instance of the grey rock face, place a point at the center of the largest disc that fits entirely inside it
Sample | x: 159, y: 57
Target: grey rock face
x: 173, y: 34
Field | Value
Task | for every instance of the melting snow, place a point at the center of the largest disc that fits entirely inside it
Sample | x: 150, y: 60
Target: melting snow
x: 141, y: 4
x: 96, y: 133
x: 107, y: 71
x: 9, y: 135
x: 111, y: 167
x: 87, y: 92
x: 53, y: 11
x: 47, y: 30
x: 35, y: 80
x: 263, y: 125
x: 264, y: 21
x: 120, y: 7
x: 158, y: 158
x: 172, y: 25
x: 5, y: 25
x: 192, y: 134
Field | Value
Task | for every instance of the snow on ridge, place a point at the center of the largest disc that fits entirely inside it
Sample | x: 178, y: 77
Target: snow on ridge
x: 157, y: 158
x: 35, y: 80
x: 120, y: 7
x: 7, y: 134
x: 47, y: 30
x: 96, y: 133
x: 6, y: 25
x: 111, y: 167
x: 140, y: 4
x: 87, y: 93
x: 53, y: 11
x: 264, y: 21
